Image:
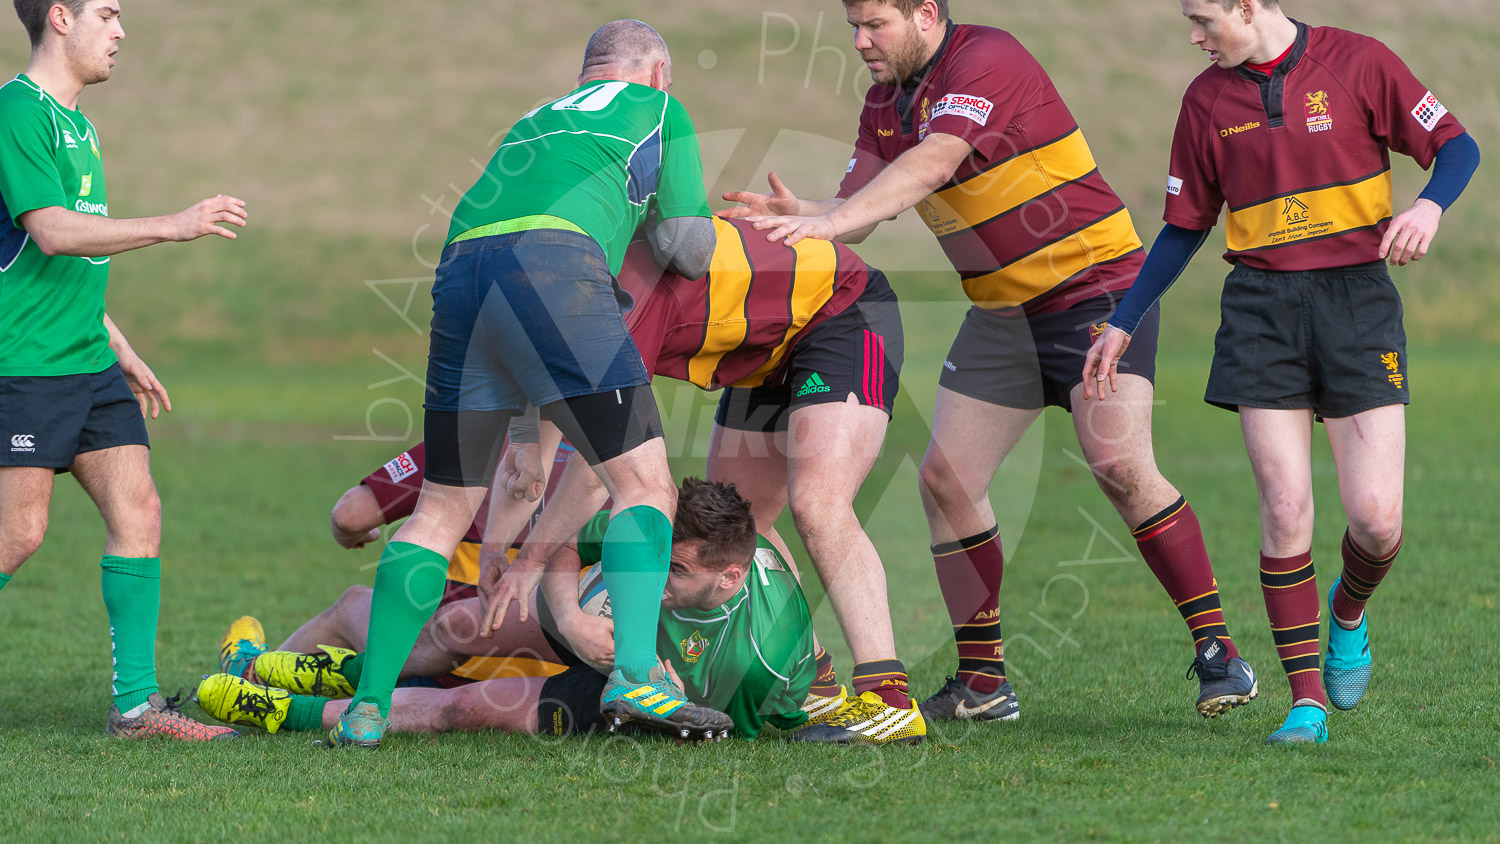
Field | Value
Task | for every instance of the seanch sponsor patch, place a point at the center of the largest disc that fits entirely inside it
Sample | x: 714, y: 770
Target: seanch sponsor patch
x: 976, y: 109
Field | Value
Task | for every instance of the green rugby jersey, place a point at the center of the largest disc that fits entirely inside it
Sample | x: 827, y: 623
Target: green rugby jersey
x: 601, y: 158
x: 51, y: 308
x: 751, y: 658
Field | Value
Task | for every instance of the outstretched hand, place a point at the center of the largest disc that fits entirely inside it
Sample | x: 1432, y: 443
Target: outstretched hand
x: 779, y: 202
x: 207, y: 217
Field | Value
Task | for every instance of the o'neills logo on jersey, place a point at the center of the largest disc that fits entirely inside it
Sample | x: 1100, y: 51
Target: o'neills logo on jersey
x: 976, y: 109
x: 1318, y: 117
x: 1235, y: 130
x: 99, y: 208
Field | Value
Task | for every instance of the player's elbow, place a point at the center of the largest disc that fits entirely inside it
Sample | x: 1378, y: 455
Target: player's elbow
x: 46, y: 242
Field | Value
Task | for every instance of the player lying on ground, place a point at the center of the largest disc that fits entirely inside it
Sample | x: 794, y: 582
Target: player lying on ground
x: 385, y: 496
x: 807, y: 341
x: 737, y: 631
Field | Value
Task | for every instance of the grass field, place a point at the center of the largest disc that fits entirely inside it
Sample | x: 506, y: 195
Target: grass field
x: 287, y: 355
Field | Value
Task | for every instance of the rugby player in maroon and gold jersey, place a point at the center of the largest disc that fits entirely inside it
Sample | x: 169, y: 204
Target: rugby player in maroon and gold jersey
x: 807, y: 341
x: 964, y: 125
x: 1292, y: 128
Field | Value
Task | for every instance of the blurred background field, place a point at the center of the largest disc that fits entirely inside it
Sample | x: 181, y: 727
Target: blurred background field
x: 294, y: 357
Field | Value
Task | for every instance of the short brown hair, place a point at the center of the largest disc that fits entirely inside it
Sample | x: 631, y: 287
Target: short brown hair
x: 908, y: 8
x: 33, y: 15
x: 716, y: 515
x: 1230, y: 4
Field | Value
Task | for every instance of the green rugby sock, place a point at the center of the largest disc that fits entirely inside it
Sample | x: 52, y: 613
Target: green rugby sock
x: 637, y: 548
x: 132, y: 596
x: 4, y: 579
x: 353, y: 669
x: 305, y: 714
x: 408, y: 586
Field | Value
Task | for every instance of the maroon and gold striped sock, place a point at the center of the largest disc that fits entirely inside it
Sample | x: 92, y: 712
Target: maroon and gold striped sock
x: 1291, y: 591
x: 969, y: 572
x: 826, y: 683
x: 1362, y: 573
x: 886, y: 678
x: 1172, y: 543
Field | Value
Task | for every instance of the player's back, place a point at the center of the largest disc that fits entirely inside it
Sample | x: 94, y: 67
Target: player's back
x: 735, y: 326
x: 596, y: 158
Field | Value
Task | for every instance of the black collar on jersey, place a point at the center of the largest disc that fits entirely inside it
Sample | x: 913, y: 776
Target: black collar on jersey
x: 1271, y: 84
x: 909, y: 86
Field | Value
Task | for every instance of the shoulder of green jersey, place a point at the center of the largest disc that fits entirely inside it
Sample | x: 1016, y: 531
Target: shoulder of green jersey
x: 632, y: 144
x: 728, y: 609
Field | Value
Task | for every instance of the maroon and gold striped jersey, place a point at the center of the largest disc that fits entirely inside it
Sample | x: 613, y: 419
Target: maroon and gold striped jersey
x: 1026, y: 219
x: 1302, y: 155
x: 735, y: 326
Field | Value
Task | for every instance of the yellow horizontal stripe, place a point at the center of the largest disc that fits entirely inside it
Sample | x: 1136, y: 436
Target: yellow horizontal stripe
x: 1295, y: 644
x: 1196, y: 614
x: 667, y: 707
x: 1196, y: 597
x: 496, y: 667
x: 729, y: 280
x: 638, y: 692
x: 1300, y: 671
x: 1192, y: 629
x: 812, y: 287
x: 987, y: 195
x: 1318, y: 213
x: 1291, y: 586
x: 1024, y: 280
x: 655, y: 699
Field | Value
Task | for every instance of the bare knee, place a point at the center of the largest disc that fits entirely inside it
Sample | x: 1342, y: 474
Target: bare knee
x: 1375, y: 524
x: 1287, y: 519
x: 24, y: 536
x: 354, y: 596
x: 819, y: 511
x: 135, y: 530
x: 940, y: 486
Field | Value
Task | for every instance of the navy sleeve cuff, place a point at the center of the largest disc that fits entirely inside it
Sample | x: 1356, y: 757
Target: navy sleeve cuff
x: 1455, y: 164
x: 1169, y: 256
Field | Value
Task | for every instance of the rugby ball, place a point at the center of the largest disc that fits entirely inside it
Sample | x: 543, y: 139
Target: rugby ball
x: 592, y: 597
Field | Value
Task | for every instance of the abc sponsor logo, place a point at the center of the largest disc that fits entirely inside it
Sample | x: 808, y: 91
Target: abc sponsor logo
x: 23, y: 442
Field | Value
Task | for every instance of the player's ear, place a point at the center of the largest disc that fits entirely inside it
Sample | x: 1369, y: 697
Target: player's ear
x: 60, y: 18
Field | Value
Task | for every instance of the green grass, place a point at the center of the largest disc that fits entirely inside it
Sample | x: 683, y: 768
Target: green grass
x: 1109, y: 746
x: 339, y: 124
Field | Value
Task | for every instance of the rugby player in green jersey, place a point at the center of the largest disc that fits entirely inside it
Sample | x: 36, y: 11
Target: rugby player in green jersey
x: 73, y: 395
x: 736, y: 632
x: 526, y: 311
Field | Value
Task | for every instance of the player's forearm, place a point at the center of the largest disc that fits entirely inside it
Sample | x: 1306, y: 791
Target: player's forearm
x: 58, y: 231
x: 559, y: 586
x: 1170, y: 254
x: 117, y: 342
x: 578, y: 497
x: 911, y: 178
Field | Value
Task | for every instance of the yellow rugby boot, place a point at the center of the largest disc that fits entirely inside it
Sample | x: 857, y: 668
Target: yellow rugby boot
x: 319, y: 674
x: 819, y: 708
x: 868, y: 720
x: 245, y: 641
x: 235, y: 700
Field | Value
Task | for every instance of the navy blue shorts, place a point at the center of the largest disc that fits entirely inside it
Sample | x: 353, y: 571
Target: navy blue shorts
x: 46, y: 421
x: 1326, y: 340
x: 527, y: 318
x: 1031, y: 362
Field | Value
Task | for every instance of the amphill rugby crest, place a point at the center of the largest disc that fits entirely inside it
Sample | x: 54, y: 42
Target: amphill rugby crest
x: 693, y: 647
x: 1319, y: 119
